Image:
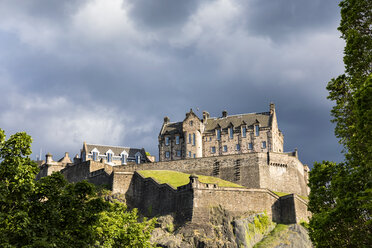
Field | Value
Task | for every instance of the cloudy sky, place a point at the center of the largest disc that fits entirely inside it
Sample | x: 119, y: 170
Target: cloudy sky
x: 108, y: 71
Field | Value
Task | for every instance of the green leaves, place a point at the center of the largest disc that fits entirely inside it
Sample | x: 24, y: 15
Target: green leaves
x: 341, y: 194
x: 53, y: 213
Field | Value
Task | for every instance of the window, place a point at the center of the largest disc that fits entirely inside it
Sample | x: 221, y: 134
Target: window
x: 189, y: 154
x: 264, y: 144
x: 194, y: 156
x: 210, y: 138
x: 231, y: 132
x: 178, y: 153
x: 250, y: 146
x: 244, y: 132
x: 256, y: 130
x: 189, y: 138
x: 191, y: 123
x: 225, y: 148
x: 193, y: 139
x: 218, y: 134
x: 213, y: 149
x: 109, y: 157
x: 167, y: 141
x: 167, y: 154
x: 177, y: 140
x: 123, y: 159
x: 94, y: 156
x: 138, y: 159
x: 238, y: 147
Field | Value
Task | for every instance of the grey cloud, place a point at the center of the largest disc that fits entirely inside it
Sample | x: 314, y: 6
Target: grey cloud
x: 162, y: 13
x: 211, y: 76
x: 52, y: 11
x: 283, y: 18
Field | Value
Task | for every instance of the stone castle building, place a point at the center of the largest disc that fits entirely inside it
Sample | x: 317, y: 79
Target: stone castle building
x: 246, y: 149
x: 216, y: 136
x: 109, y: 155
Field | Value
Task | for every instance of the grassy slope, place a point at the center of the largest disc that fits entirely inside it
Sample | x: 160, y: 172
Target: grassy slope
x: 175, y: 178
x: 276, y: 236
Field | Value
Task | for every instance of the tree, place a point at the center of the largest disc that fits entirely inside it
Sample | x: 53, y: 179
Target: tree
x: 341, y: 194
x: 53, y: 213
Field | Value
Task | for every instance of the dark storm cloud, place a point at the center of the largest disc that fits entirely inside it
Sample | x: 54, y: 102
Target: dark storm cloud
x: 282, y: 18
x: 116, y: 89
x: 162, y: 13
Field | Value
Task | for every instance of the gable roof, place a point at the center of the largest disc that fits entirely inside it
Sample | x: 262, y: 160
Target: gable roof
x: 172, y: 128
x: 117, y: 150
x: 238, y: 120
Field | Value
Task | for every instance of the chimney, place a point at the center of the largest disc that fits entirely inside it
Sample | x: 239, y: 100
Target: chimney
x: 224, y: 113
x: 272, y: 108
x: 205, y: 115
x: 48, y: 158
x: 166, y: 120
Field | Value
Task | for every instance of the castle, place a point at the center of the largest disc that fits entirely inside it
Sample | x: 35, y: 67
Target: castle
x: 236, y: 134
x: 245, y: 149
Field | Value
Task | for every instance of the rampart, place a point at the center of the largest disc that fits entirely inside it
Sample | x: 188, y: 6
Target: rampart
x: 280, y: 172
x: 258, y: 172
x: 193, y: 202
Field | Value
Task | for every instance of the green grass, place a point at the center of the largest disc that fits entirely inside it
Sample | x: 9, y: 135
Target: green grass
x: 274, y: 238
x: 280, y: 194
x: 176, y: 179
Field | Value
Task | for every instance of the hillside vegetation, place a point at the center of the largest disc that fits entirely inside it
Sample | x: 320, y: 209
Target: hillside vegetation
x: 176, y: 179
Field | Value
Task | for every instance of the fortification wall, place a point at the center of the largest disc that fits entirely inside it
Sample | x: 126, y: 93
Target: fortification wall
x: 193, y: 202
x: 153, y: 199
x: 82, y: 171
x: 283, y: 173
x: 235, y: 200
x: 293, y: 209
x: 275, y: 171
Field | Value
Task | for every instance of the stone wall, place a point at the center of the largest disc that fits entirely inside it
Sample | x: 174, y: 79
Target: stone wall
x: 275, y: 171
x: 192, y: 202
x: 293, y: 209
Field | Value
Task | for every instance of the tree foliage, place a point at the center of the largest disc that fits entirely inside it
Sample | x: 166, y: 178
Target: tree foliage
x: 341, y: 194
x: 51, y: 212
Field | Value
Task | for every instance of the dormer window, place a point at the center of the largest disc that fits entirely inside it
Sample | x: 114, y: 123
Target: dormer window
x: 167, y: 141
x: 109, y: 157
x: 231, y: 130
x: 123, y: 159
x: 94, y: 156
x: 177, y: 140
x: 218, y: 134
x: 138, y: 158
x: 244, y: 132
x: 256, y: 130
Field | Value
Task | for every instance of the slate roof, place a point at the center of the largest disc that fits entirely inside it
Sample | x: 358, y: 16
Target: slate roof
x: 173, y: 128
x: 224, y: 122
x: 238, y: 120
x: 117, y: 150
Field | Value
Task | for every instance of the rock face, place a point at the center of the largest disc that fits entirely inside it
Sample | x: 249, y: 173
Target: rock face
x: 226, y: 231
x: 295, y: 237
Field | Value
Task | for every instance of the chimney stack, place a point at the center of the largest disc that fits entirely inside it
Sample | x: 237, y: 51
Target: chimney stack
x: 272, y: 108
x: 48, y: 158
x: 166, y: 119
x: 224, y: 113
x: 205, y: 115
